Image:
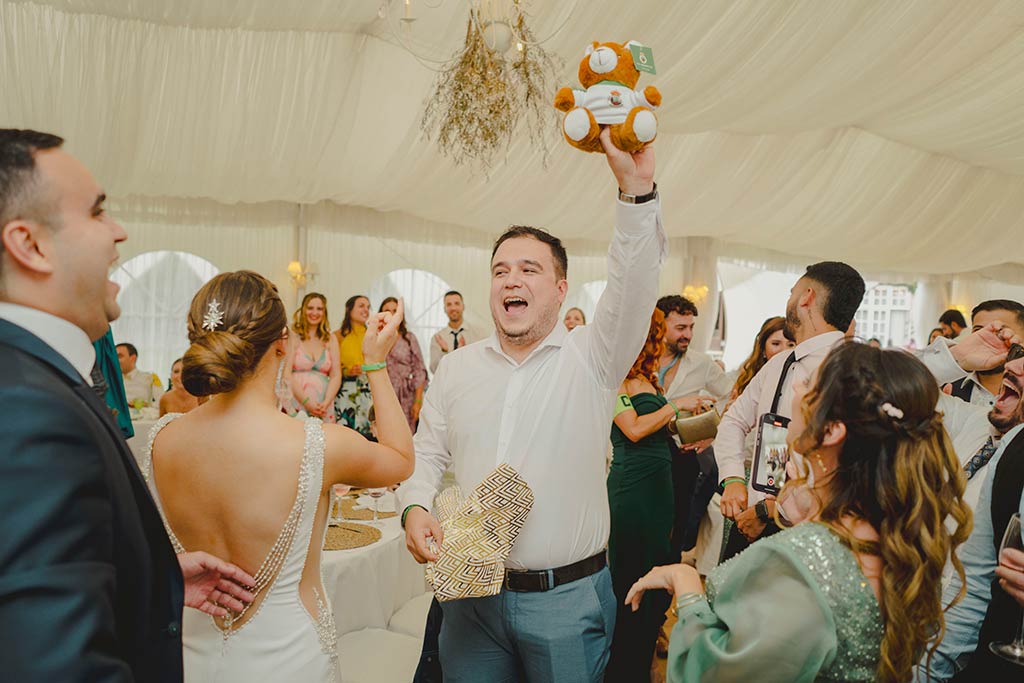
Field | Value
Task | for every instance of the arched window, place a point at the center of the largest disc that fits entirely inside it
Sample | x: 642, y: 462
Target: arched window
x: 156, y: 291
x: 585, y: 298
x: 424, y: 301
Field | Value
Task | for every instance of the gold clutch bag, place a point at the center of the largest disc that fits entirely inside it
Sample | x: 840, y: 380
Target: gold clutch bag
x: 479, y: 532
x: 696, y: 427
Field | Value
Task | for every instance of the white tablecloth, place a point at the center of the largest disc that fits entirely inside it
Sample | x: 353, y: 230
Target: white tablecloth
x: 367, y: 585
x: 138, y: 442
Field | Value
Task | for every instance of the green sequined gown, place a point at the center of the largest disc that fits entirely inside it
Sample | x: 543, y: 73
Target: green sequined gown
x: 641, y: 501
x: 793, y: 607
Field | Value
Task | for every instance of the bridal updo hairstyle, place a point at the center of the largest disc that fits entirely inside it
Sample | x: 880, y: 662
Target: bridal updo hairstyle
x: 253, y: 318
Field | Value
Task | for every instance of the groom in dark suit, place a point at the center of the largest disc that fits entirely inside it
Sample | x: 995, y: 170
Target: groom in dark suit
x: 90, y: 588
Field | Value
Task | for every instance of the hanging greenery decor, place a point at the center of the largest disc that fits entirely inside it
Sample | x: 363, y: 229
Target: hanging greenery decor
x: 480, y: 99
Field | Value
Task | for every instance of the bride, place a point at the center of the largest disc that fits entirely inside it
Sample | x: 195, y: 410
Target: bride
x: 241, y: 480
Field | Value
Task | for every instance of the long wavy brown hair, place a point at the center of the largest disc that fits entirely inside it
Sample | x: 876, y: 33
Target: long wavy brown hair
x: 301, y: 326
x: 898, y: 472
x: 647, y: 363
x: 758, y: 356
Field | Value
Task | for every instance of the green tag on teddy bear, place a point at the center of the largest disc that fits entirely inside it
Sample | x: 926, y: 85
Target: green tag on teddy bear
x: 643, y: 58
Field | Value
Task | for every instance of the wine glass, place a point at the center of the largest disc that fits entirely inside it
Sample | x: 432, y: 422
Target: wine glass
x: 376, y: 494
x: 1013, y: 651
x: 338, y: 493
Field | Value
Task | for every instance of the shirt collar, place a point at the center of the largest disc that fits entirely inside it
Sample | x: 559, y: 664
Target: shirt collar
x: 555, y: 338
x: 817, y: 343
x: 1006, y: 438
x: 64, y: 337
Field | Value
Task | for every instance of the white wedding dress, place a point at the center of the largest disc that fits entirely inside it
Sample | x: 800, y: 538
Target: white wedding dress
x: 281, y: 641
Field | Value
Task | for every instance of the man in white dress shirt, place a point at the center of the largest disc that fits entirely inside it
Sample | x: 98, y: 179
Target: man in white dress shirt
x: 456, y: 334
x: 140, y: 386
x: 982, y: 387
x: 687, y: 372
x: 821, y: 306
x: 541, y: 399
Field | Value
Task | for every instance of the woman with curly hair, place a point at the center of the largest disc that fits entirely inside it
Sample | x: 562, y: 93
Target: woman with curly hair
x: 772, y: 339
x: 853, y: 591
x: 641, y: 502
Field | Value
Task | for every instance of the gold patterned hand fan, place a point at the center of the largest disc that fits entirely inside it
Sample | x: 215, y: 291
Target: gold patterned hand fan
x: 479, y: 532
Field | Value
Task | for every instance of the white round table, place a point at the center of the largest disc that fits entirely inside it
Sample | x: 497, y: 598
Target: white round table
x: 367, y: 585
x: 138, y: 442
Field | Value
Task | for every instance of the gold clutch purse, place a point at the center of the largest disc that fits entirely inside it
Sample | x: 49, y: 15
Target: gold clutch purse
x: 696, y: 427
x: 479, y: 532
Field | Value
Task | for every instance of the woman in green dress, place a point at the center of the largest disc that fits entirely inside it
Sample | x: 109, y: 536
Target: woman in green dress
x: 853, y: 591
x: 641, y: 502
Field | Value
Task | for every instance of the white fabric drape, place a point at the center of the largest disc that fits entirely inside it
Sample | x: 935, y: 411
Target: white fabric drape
x: 885, y: 134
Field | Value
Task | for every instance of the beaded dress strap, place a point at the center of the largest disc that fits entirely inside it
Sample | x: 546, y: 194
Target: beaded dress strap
x: 147, y: 473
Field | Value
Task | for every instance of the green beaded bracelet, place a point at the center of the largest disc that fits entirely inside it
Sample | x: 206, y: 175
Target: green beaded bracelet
x: 734, y: 480
x: 374, y: 366
x: 405, y: 512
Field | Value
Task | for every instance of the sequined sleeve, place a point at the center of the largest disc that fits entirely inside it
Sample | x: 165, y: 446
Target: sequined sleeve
x: 770, y: 622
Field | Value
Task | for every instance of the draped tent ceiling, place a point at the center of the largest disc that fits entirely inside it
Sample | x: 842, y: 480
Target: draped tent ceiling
x: 885, y: 133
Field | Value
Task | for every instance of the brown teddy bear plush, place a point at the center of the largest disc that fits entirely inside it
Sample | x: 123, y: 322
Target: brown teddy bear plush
x: 609, y: 76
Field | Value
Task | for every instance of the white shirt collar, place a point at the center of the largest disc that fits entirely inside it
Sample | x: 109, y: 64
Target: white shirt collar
x: 555, y: 338
x: 64, y: 337
x: 816, y: 343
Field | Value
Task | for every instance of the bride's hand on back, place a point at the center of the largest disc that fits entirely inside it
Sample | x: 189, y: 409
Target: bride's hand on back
x: 381, y: 334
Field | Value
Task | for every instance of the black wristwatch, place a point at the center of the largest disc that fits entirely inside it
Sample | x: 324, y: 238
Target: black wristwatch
x: 639, y: 198
x: 761, y: 510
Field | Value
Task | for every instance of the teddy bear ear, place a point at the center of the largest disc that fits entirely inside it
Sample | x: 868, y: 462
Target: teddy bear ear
x: 590, y: 48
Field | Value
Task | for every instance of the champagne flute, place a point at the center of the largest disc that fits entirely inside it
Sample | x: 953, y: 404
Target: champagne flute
x: 376, y: 494
x: 339, y: 491
x: 1013, y: 651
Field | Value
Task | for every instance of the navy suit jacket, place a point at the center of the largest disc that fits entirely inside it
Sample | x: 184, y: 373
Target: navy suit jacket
x: 90, y: 588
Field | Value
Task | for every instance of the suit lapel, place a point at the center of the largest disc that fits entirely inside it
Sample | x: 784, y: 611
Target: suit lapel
x: 101, y: 411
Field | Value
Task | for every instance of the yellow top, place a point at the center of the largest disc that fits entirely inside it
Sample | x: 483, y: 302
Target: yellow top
x: 350, y: 348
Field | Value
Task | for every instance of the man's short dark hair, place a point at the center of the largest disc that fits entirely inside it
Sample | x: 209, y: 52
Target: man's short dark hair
x: 1010, y: 305
x: 680, y: 305
x: 557, y: 250
x: 844, y: 291
x: 130, y: 348
x: 452, y: 292
x: 953, y: 317
x: 19, y: 195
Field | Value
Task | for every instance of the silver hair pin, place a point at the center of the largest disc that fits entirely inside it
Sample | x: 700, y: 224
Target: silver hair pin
x: 214, y: 316
x: 892, y: 411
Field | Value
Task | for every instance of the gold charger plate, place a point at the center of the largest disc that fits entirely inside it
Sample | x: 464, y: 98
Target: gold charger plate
x: 349, y: 535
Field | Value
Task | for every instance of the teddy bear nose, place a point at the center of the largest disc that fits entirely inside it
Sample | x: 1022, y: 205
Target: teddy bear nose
x: 603, y: 60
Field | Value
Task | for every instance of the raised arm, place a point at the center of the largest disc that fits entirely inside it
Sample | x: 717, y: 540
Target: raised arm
x: 634, y: 263
x: 351, y: 458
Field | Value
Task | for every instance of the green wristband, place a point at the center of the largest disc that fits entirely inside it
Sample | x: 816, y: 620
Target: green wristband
x: 374, y: 366
x: 734, y: 480
x: 405, y: 512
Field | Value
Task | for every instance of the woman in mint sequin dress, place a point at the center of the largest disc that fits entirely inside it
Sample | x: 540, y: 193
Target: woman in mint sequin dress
x: 853, y: 591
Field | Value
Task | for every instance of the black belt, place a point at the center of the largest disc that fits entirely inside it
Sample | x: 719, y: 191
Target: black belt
x: 546, y: 579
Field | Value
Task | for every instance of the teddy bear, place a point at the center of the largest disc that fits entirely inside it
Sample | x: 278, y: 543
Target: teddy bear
x: 609, y: 75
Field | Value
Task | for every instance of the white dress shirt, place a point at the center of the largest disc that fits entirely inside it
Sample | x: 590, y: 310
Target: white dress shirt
x: 699, y: 373
x: 550, y: 416
x: 966, y: 423
x: 140, y: 384
x: 756, y: 400
x: 467, y: 335
x: 64, y: 337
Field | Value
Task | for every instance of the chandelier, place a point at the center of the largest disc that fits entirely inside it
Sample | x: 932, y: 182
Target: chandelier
x: 501, y: 78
